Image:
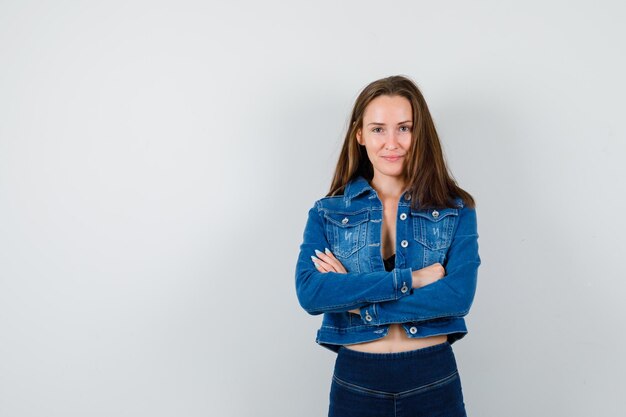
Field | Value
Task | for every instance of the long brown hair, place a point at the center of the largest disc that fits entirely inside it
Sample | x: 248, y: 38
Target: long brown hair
x: 428, y: 179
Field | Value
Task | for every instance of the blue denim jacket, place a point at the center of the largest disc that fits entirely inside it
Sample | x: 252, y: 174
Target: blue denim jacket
x: 350, y: 225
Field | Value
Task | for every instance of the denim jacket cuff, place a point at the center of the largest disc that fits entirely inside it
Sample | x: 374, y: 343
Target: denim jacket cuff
x: 403, y: 281
x: 368, y: 314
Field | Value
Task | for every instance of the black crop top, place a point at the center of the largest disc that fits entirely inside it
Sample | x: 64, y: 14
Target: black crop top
x: 390, y: 262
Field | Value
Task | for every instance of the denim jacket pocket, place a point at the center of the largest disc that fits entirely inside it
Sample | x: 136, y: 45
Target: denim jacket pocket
x: 434, y: 229
x: 346, y: 232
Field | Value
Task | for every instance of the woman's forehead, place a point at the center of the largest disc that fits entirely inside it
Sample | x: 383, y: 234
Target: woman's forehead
x: 386, y: 109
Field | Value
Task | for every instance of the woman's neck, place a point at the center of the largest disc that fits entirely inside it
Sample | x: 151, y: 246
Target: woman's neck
x: 388, y: 188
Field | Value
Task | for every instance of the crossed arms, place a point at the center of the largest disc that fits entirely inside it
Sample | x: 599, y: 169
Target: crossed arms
x: 378, y: 294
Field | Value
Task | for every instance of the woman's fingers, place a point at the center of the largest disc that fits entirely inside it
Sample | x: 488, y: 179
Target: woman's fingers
x: 321, y: 265
x: 326, y: 262
x: 332, y: 260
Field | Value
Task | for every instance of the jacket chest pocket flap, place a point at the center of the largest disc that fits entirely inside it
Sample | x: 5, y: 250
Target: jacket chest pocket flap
x: 434, y: 228
x: 346, y: 231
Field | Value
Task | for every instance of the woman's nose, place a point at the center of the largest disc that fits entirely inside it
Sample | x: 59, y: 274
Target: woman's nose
x: 392, y: 140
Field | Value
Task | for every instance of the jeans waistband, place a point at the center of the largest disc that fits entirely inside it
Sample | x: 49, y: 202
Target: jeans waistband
x: 397, y: 371
x: 395, y: 355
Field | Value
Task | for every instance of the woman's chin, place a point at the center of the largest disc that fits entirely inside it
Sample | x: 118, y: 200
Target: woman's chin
x: 391, y: 172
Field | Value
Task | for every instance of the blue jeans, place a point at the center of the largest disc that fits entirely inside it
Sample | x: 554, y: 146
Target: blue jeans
x: 421, y: 382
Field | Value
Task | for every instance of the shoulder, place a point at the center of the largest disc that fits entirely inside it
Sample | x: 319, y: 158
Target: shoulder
x: 467, y: 221
x: 331, y: 202
x: 323, y: 205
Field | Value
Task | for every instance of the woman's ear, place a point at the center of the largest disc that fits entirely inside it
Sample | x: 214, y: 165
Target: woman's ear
x: 358, y: 136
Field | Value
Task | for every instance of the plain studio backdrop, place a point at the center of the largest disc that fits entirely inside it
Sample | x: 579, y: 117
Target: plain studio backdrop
x: 158, y: 159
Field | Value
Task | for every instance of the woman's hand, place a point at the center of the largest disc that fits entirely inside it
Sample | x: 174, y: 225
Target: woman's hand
x: 326, y: 262
x: 428, y: 275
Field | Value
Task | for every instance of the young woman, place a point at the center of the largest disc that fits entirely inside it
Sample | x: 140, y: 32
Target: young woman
x: 390, y: 258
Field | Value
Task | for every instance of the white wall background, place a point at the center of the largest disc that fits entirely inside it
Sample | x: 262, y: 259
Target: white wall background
x: 157, y: 161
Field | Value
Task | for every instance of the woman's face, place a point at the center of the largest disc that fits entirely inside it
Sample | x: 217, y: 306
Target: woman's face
x: 386, y: 133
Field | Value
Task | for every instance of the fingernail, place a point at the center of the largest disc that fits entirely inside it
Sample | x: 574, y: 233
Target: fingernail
x: 316, y: 264
x: 313, y: 258
x: 318, y: 252
x: 327, y: 251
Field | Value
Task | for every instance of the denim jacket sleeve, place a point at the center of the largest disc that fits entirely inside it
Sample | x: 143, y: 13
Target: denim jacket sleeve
x: 449, y: 296
x: 321, y: 292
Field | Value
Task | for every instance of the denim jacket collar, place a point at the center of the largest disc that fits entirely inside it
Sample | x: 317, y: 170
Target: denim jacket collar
x: 355, y: 187
x: 359, y: 185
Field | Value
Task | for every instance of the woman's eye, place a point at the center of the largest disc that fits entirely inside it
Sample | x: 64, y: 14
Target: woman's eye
x: 376, y: 129
x: 408, y: 128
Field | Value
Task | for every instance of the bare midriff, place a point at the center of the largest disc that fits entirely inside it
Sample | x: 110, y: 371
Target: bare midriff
x: 396, y: 339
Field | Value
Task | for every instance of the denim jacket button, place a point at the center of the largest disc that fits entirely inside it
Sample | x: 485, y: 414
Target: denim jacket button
x: 368, y: 317
x: 435, y: 214
x: 404, y: 289
x: 345, y: 220
x: 413, y: 330
x: 407, y: 196
x: 404, y: 243
x: 403, y: 216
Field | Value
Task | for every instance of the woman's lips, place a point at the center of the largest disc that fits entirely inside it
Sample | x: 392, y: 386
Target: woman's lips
x: 393, y: 158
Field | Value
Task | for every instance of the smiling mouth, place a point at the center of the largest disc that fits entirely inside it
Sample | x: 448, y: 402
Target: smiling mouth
x: 393, y: 158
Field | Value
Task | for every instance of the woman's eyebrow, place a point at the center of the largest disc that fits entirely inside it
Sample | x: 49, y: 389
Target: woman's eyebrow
x: 382, y: 124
